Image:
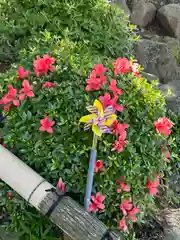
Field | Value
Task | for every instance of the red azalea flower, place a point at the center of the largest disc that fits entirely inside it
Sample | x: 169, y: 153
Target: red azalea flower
x: 153, y: 185
x: 49, y: 61
x: 122, y: 225
x: 95, y: 82
x: 163, y: 125
x: 96, y: 203
x: 166, y: 154
x: 128, y: 210
x: 10, y: 195
x: 48, y: 85
x: 61, y: 185
x: 107, y: 101
x: 16, y: 103
x: 7, y: 107
x: 126, y: 206
x: 116, y: 106
x: 118, y: 190
x: 114, y: 89
x: 124, y: 187
x: 10, y: 98
x: 100, y: 69
x: 46, y: 125
x: 118, y: 128
x: 131, y: 214
x: 122, y: 65
x: 134, y: 211
x: 22, y: 73
x: 26, y: 91
x: 99, y: 166
x: 43, y: 65
x: 120, y: 144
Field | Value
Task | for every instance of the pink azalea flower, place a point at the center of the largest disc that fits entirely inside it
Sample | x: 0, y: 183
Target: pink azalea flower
x: 99, y: 166
x: 46, y: 125
x: 22, y: 73
x: 132, y: 213
x: 128, y: 210
x: 97, y: 78
x: 48, y: 85
x: 43, y: 65
x: 7, y: 107
x: 16, y: 103
x: 107, y: 101
x: 118, y: 128
x: 126, y: 206
x: 120, y: 144
x: 10, y: 195
x: 116, y: 106
x: 100, y: 69
x: 124, y: 187
x: 153, y: 186
x: 61, y: 185
x: 10, y: 98
x: 95, y: 82
x: 96, y: 203
x: 114, y: 89
x: 26, y: 91
x: 135, y: 69
x: 122, y: 225
x: 122, y: 65
x: 163, y: 125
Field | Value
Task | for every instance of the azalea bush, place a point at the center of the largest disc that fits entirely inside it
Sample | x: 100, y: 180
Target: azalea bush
x: 96, y: 24
x: 43, y: 100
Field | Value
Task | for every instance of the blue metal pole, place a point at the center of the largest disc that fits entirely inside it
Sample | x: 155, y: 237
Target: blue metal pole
x: 89, y: 184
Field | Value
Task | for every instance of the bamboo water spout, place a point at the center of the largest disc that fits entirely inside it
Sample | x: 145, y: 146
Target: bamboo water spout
x: 62, y: 211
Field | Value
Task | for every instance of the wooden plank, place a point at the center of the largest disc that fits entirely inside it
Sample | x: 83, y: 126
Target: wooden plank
x: 74, y: 220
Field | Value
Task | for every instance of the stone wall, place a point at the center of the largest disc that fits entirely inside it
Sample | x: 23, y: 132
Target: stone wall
x: 158, y: 50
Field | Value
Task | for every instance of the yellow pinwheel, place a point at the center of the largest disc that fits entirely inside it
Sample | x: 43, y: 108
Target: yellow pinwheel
x: 99, y: 119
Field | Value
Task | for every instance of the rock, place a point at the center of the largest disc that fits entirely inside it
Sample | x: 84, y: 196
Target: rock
x: 169, y: 17
x: 149, y: 77
x: 174, y: 1
x: 174, y: 183
x: 157, y: 58
x: 122, y: 4
x: 173, y: 101
x: 142, y: 13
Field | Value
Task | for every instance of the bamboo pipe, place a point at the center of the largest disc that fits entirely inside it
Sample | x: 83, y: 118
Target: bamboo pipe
x: 67, y: 214
x: 22, y: 178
